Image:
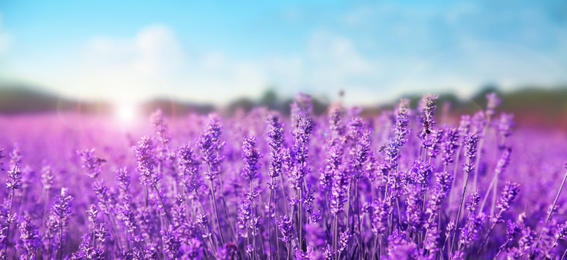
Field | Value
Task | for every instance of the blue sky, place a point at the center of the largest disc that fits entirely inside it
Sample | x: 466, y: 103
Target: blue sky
x: 216, y: 51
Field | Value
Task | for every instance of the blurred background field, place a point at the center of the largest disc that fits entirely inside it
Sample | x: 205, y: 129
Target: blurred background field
x: 106, y: 58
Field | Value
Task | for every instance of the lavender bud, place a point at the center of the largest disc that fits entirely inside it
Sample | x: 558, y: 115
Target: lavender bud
x: 286, y: 228
x: 332, y: 164
x: 433, y: 148
x: 493, y: 102
x: 506, y: 124
x: 251, y: 157
x: 211, y: 146
x: 62, y: 208
x: 275, y: 138
x: 472, y: 228
x: 450, y: 146
x: 360, y: 154
x: 382, y: 210
x: 465, y: 126
x: 503, y: 162
x: 188, y: 168
x: 16, y: 155
x: 414, y: 212
x: 91, y: 163
x: 510, y: 192
x: 472, y: 202
x: 561, y: 232
x: 427, y: 106
x: 14, y: 180
x: 47, y: 177
x: 30, y: 240
x: 161, y: 130
x: 335, y: 124
x: 1, y: 157
x: 146, y: 161
x: 338, y: 191
x: 471, y: 146
x: 402, y: 122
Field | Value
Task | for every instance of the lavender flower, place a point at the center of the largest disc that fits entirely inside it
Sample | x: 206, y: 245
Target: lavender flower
x: 286, y: 228
x: 438, y: 195
x: 427, y: 106
x: 508, y: 195
x: 251, y: 158
x: 470, y: 232
x: 1, y: 157
x: 47, y: 177
x: 16, y: 155
x: 338, y: 191
x: 61, y: 212
x: 146, y: 161
x: 493, y: 102
x: 360, y: 154
x: 275, y: 136
x: 299, y: 152
x: 343, y: 241
x: 433, y: 240
x: 91, y: 163
x: 450, y: 146
x: 382, y: 210
x: 162, y: 132
x: 188, y: 168
x: 125, y: 210
x: 332, y: 164
x: 420, y: 173
x: 14, y: 181
x: 471, y: 146
x: 336, y: 126
x: 433, y: 148
x: 401, y: 130
x: 414, y: 211
x: 211, y: 145
x: 402, y: 122
x: 506, y: 124
x: 465, y: 126
x: 30, y: 240
x: 171, y: 245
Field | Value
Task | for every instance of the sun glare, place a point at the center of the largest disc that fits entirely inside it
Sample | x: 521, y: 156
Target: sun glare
x: 126, y: 112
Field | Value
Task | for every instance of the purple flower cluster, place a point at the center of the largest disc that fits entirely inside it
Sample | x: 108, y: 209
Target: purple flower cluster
x: 264, y: 185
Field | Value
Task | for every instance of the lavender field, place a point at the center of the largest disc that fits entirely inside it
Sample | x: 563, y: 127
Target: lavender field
x: 401, y: 185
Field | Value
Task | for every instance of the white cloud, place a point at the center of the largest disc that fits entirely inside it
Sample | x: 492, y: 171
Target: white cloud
x: 153, y: 63
x: 5, y: 38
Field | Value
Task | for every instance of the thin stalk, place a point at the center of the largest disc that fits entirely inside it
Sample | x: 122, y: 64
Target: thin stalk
x: 356, y: 201
x: 551, y: 210
x: 335, y: 234
x: 270, y: 222
x: 502, y: 248
x: 6, y: 241
x: 300, y: 215
x: 488, y: 191
x: 289, y: 250
x: 494, y: 197
x: 214, y: 199
x: 60, y: 251
x: 214, y: 202
x: 460, y: 208
x: 556, y: 198
x: 480, y: 144
x: 253, y: 210
x: 162, y: 204
x: 485, y: 239
x: 451, y: 191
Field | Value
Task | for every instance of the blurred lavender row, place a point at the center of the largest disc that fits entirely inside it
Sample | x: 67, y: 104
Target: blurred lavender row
x: 402, y: 185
